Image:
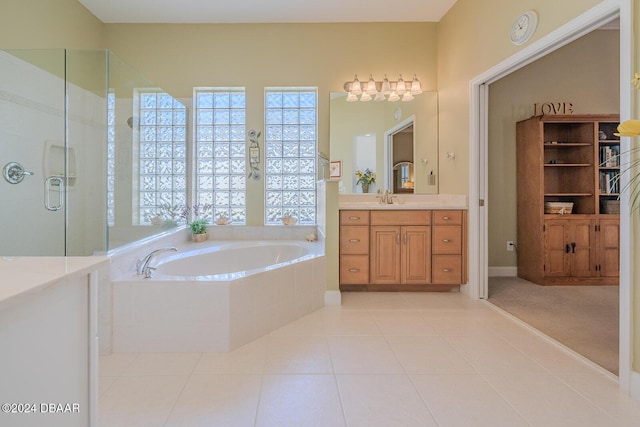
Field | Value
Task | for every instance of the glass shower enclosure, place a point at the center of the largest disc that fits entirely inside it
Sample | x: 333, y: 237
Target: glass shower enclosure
x: 67, y: 131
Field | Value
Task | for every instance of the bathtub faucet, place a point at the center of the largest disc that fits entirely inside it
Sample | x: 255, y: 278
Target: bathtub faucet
x: 143, y: 267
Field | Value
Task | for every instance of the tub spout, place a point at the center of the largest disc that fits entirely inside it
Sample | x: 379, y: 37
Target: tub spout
x: 143, y: 267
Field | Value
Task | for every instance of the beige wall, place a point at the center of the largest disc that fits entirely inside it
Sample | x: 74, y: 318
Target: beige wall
x: 45, y: 24
x: 261, y: 55
x: 585, y: 73
x: 472, y: 38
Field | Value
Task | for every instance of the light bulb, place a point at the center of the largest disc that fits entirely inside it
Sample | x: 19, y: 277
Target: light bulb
x: 407, y: 97
x: 400, y: 86
x: 351, y: 97
x: 393, y: 97
x: 386, y: 86
x: 365, y: 97
x: 356, y: 89
x: 371, y: 86
x: 416, y: 88
x: 379, y: 97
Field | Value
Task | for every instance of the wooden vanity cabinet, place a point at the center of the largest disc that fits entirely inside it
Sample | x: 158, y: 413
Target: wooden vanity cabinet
x: 402, y: 249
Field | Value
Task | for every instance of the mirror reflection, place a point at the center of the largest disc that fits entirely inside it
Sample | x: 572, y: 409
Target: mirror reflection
x: 396, y: 141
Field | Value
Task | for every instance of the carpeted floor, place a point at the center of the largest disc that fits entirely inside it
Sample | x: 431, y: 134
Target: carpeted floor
x: 584, y: 318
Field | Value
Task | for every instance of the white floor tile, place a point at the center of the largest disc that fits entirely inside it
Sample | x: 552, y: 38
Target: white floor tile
x: 428, y: 355
x: 465, y: 400
x: 248, y: 359
x: 300, y: 400
x: 217, y: 400
x: 140, y: 401
x: 490, y: 354
x: 298, y: 355
x: 115, y: 364
x: 403, y: 323
x: 605, y: 393
x: 363, y: 355
x: 382, y: 401
x: 544, y: 401
x: 163, y: 364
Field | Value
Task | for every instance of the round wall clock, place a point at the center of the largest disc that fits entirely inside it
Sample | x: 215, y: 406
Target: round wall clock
x: 523, y: 27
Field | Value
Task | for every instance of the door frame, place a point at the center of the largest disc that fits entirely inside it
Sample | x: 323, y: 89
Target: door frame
x: 478, y: 167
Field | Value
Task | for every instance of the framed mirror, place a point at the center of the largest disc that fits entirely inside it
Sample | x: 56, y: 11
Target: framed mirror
x: 397, y: 141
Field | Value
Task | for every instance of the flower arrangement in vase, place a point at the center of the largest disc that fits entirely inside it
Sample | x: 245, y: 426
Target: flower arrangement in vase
x: 197, y: 213
x: 365, y: 179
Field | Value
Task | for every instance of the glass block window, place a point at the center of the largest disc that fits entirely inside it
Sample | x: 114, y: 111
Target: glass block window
x: 290, y: 154
x: 220, y: 137
x: 162, y: 157
x: 111, y: 158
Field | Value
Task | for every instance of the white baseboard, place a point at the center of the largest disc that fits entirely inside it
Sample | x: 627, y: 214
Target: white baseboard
x: 332, y: 298
x: 634, y: 386
x: 503, y: 271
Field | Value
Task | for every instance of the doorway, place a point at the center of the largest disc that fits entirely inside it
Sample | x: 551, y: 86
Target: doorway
x: 478, y: 188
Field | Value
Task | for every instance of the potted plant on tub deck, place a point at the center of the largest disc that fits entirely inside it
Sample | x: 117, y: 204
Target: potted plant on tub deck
x: 197, y: 214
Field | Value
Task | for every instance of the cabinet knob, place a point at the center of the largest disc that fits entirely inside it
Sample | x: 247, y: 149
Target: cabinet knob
x: 354, y: 270
x: 447, y: 270
x: 354, y: 240
x: 446, y: 218
x: 446, y: 240
x: 354, y: 218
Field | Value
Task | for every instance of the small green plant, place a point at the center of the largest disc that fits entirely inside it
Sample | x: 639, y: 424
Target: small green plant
x: 197, y: 213
x: 199, y: 226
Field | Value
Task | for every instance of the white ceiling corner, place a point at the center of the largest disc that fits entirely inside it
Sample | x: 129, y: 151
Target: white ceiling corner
x: 262, y: 11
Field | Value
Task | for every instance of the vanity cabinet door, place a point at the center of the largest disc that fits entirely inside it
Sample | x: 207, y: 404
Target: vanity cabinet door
x: 354, y: 240
x: 416, y: 255
x: 385, y: 255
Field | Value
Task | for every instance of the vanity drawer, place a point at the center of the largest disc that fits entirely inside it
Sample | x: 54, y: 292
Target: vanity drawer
x: 447, y: 240
x: 354, y: 269
x: 447, y: 269
x: 394, y: 217
x: 354, y: 240
x: 447, y: 217
x: 354, y: 217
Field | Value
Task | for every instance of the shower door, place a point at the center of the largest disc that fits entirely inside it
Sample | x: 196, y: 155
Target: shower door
x: 33, y: 152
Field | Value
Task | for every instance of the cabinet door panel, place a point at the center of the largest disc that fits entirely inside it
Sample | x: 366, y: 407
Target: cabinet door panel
x: 582, y: 248
x: 385, y: 255
x: 556, y: 239
x: 416, y: 254
x: 609, y: 247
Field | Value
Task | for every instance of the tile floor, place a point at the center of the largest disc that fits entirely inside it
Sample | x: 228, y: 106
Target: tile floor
x: 382, y: 359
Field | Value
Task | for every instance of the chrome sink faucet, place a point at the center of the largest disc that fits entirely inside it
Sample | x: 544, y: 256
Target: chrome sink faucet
x: 142, y: 265
x: 386, y: 197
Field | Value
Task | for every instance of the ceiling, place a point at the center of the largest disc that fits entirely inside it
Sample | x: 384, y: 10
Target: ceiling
x: 266, y: 11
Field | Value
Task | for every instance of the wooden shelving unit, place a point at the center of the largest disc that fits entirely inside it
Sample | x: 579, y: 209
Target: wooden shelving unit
x: 568, y: 159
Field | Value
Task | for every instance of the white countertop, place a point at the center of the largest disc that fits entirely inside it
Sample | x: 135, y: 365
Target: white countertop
x: 403, y: 202
x: 20, y: 276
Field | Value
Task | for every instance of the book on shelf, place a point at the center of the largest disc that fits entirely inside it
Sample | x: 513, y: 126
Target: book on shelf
x: 610, y: 156
x: 609, y: 182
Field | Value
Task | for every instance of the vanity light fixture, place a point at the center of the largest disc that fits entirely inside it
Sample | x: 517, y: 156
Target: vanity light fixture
x: 384, y: 90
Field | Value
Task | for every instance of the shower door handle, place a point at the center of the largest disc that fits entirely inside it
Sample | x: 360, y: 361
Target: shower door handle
x: 50, y: 185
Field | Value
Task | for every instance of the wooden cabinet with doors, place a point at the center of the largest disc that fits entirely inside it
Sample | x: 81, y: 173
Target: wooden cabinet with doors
x: 400, y: 254
x: 568, y: 159
x: 407, y: 249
